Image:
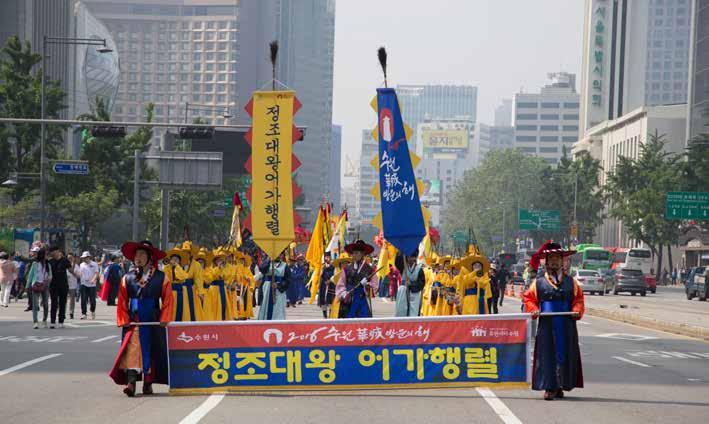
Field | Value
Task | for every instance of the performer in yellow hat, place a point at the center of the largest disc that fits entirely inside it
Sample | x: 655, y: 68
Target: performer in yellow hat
x: 474, y: 287
x: 221, y: 303
x: 444, y: 288
x: 247, y: 284
x: 187, y: 304
x: 340, y: 264
x: 195, y: 272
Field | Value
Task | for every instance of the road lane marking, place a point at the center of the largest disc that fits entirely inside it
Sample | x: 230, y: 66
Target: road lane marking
x: 498, y: 406
x: 28, y: 363
x: 625, y: 336
x: 103, y: 339
x: 640, y: 364
x: 202, y: 410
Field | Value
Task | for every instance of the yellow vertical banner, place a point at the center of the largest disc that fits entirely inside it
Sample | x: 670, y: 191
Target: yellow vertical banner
x: 271, y: 165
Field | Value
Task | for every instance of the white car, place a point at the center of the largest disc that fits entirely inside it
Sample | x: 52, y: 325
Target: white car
x: 590, y: 281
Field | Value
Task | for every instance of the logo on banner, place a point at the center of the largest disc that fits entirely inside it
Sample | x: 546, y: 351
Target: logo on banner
x: 185, y: 338
x: 278, y: 334
x: 386, y: 123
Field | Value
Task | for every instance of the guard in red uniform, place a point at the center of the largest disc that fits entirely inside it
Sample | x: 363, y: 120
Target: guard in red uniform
x: 557, y: 357
x: 145, y: 295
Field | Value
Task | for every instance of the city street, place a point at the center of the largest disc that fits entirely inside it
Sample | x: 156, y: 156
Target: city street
x: 632, y: 375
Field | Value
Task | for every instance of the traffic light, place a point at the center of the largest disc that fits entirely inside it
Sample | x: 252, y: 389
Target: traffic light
x: 108, y: 131
x: 196, y: 133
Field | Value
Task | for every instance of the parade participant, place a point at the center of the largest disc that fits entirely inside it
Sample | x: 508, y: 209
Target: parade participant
x: 144, y: 296
x: 394, y: 278
x: 474, y: 289
x: 442, y: 289
x: 408, y: 296
x: 295, y: 287
x: 187, y: 305
x: 356, y: 282
x: 557, y: 358
x: 326, y: 291
x: 276, y: 278
x: 247, y: 284
x: 494, y: 288
x: 195, y: 272
x: 340, y: 264
x: 220, y: 299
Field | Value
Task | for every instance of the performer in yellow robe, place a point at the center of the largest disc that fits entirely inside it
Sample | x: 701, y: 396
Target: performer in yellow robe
x: 474, y: 287
x: 218, y: 298
x: 430, y: 273
x: 247, y: 284
x: 340, y: 264
x: 195, y: 273
x: 187, y: 304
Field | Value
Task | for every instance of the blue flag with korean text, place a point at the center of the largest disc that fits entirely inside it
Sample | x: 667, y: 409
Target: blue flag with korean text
x: 402, y: 218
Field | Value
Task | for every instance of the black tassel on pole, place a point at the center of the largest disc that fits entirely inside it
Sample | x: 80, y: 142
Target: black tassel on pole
x: 274, y: 55
x: 382, y: 54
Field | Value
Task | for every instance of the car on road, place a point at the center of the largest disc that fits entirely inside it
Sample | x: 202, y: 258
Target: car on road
x: 590, y: 281
x: 696, y: 283
x: 651, y: 283
x: 631, y: 281
x: 516, y: 273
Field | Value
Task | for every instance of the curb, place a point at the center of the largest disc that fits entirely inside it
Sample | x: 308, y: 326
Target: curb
x: 651, y: 323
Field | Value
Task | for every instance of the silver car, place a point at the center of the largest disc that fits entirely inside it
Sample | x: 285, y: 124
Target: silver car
x: 590, y: 281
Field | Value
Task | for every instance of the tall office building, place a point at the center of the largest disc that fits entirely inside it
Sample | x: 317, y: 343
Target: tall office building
x: 502, y: 137
x: 173, y: 52
x: 635, y: 53
x: 333, y: 179
x: 367, y: 206
x: 503, y: 113
x: 547, y: 121
x: 305, y: 30
x: 699, y: 70
x: 420, y: 103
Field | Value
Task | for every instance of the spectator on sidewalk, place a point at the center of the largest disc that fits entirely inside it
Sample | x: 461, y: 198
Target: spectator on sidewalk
x: 8, y: 273
x: 89, y: 273
x: 38, y: 281
x: 674, y: 276
x: 73, y: 282
x: 20, y: 280
x: 59, y: 289
x: 502, y: 277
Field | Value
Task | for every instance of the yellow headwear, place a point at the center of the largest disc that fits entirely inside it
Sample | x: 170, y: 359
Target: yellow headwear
x: 178, y: 252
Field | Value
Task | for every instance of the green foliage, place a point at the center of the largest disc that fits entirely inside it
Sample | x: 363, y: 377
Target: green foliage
x: 87, y: 209
x: 20, y: 95
x: 637, y: 190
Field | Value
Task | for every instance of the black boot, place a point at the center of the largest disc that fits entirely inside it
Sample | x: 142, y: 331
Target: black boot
x: 132, y: 377
x: 324, y: 314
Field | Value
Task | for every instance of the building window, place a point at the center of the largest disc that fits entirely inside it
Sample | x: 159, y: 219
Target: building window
x: 549, y: 128
x: 550, y: 105
x: 571, y: 128
x: 548, y: 150
x: 527, y: 116
x: 528, y: 149
x: 548, y: 117
x: 526, y: 138
x: 527, y: 105
x: 548, y: 138
x: 526, y: 127
x: 568, y: 139
x: 571, y: 117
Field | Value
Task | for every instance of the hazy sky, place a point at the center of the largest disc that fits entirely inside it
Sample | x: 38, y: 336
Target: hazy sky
x: 499, y: 46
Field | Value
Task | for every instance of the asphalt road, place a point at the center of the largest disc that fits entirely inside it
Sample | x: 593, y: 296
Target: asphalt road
x: 632, y: 375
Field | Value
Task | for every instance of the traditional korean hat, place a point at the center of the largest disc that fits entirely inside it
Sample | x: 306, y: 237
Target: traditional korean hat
x: 243, y: 256
x: 359, y: 246
x: 189, y: 248
x: 129, y: 248
x: 547, y: 249
x: 218, y: 253
x: 468, y: 261
x: 204, y: 254
x: 184, y: 258
x: 342, y: 258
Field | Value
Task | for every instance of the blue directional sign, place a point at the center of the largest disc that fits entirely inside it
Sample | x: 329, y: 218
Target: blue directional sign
x: 71, y: 168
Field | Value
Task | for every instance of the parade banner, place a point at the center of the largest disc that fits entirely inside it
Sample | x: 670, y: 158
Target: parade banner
x: 433, y: 352
x: 402, y: 219
x: 271, y: 164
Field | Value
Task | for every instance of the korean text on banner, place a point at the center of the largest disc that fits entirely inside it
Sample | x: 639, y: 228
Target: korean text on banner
x: 353, y: 354
x: 272, y: 186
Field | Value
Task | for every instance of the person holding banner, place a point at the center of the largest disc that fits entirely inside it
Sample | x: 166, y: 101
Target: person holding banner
x: 276, y: 277
x: 357, y: 283
x: 326, y: 291
x: 145, y: 296
x: 408, y: 295
x: 557, y: 357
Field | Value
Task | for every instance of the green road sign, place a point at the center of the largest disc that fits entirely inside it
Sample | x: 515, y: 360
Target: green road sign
x: 539, y: 220
x: 687, y: 205
x: 459, y: 236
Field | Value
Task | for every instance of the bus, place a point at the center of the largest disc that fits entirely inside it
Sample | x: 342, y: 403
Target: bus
x: 619, y: 255
x: 638, y: 258
x: 591, y: 256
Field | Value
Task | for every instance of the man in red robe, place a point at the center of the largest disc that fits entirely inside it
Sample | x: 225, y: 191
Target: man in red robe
x: 557, y: 357
x: 145, y: 296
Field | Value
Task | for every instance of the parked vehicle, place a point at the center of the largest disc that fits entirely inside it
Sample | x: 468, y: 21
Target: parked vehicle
x: 516, y: 274
x: 696, y: 284
x: 590, y: 281
x: 631, y: 281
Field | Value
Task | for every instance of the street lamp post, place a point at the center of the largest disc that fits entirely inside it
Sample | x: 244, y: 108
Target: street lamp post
x: 43, y: 132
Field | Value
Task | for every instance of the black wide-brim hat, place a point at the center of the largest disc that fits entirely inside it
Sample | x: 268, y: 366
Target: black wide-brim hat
x: 129, y: 248
x: 359, y: 246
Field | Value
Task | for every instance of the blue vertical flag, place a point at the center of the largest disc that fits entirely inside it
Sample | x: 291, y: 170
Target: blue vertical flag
x: 402, y: 217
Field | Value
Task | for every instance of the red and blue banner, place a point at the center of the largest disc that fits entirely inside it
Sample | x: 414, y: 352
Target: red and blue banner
x: 402, y: 218
x: 349, y: 354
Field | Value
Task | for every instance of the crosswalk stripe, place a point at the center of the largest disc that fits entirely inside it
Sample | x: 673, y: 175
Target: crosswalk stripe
x: 28, y: 363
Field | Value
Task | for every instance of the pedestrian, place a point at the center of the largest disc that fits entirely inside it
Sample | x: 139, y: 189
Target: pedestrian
x: 8, y: 273
x: 73, y: 283
x: 357, y: 283
x: 38, y: 280
x: 326, y: 290
x: 503, y: 277
x: 20, y: 280
x: 59, y: 288
x: 557, y: 356
x: 665, y: 274
x: 114, y: 274
x: 89, y: 273
x: 145, y: 296
x: 674, y: 276
x: 394, y: 281
x: 495, y: 287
